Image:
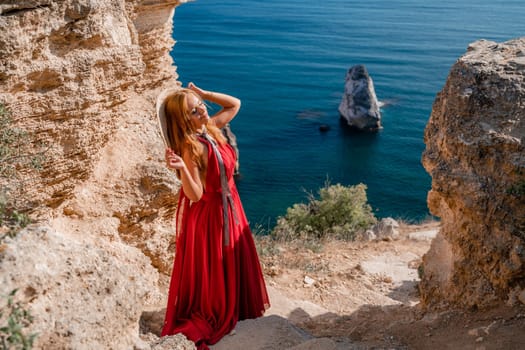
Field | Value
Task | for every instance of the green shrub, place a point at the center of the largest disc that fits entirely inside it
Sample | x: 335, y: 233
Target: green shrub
x: 340, y: 212
x: 15, y: 148
x: 18, y: 154
x: 11, y: 220
x: 517, y: 189
x: 13, y: 319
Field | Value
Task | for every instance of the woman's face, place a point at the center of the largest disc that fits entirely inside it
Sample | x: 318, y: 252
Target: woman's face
x: 197, y: 111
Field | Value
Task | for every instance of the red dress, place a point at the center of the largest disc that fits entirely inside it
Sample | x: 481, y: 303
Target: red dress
x: 216, y: 279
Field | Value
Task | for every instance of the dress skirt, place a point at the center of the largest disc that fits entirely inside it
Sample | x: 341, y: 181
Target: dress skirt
x: 217, y: 278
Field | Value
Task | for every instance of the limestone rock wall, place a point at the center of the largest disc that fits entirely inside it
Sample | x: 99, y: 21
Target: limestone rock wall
x: 84, y: 293
x: 475, y: 154
x: 70, y: 71
x: 82, y: 76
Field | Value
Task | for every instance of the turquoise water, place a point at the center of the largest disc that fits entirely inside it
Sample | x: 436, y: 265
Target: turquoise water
x: 287, y: 60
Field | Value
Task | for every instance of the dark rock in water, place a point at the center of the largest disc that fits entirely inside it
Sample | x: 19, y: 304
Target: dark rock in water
x: 359, y: 106
x: 324, y: 128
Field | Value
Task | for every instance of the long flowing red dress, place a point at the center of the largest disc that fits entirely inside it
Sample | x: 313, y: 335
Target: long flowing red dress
x: 217, y: 278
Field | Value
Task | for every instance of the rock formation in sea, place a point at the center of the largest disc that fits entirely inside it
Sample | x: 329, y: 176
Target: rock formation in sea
x: 359, y: 106
x: 475, y: 154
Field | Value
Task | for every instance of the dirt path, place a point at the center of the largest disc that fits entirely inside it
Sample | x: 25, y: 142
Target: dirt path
x: 364, y: 296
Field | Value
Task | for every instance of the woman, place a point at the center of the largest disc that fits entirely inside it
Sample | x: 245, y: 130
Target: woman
x: 216, y: 278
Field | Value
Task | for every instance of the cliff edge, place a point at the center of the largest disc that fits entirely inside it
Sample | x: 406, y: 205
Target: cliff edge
x: 475, y: 154
x: 81, y: 77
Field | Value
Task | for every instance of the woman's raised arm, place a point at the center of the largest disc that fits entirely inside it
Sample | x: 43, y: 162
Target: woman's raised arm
x: 230, y: 105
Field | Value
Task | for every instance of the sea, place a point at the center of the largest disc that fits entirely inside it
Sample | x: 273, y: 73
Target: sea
x: 287, y: 61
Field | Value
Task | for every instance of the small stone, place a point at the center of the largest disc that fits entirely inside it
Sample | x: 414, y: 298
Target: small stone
x: 308, y: 281
x: 473, y: 332
x: 367, y: 235
x: 521, y: 296
x: 387, y: 229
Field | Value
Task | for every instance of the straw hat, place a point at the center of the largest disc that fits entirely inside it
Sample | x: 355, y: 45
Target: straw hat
x: 161, y: 114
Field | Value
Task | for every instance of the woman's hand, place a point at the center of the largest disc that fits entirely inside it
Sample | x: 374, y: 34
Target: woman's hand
x: 173, y: 161
x: 198, y: 90
x: 188, y: 173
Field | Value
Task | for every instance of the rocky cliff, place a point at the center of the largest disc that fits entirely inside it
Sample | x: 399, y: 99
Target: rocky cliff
x: 475, y: 154
x: 81, y: 76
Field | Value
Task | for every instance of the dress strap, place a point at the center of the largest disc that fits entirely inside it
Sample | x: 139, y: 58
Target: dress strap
x: 226, y: 194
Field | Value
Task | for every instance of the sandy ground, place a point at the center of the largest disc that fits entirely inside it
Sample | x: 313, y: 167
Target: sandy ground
x: 363, y: 295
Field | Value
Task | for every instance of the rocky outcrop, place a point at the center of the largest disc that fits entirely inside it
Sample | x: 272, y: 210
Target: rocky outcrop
x: 359, y: 106
x: 84, y: 293
x: 81, y: 76
x: 475, y: 154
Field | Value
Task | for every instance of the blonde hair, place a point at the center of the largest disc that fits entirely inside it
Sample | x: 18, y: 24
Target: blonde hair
x: 180, y: 130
